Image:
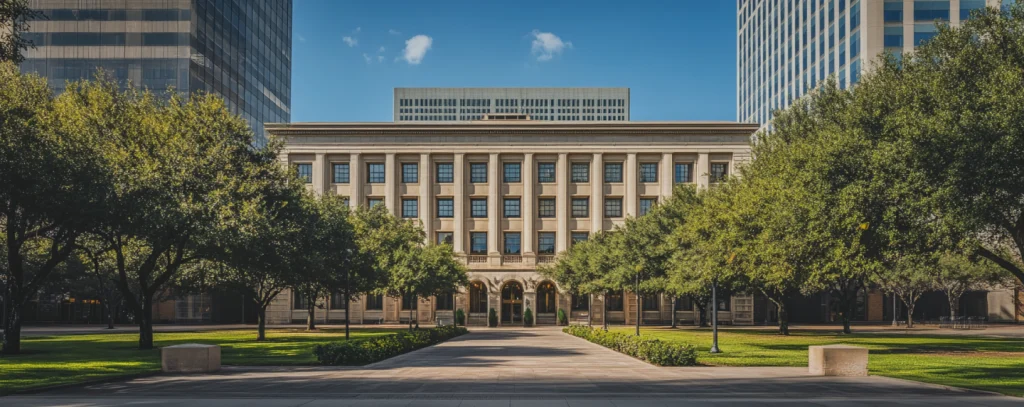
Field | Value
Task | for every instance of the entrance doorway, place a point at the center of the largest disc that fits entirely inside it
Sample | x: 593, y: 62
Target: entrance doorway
x: 512, y: 303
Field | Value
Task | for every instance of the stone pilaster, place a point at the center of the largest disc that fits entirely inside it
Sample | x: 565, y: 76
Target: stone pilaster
x: 528, y: 201
x: 702, y: 170
x: 629, y: 202
x: 458, y: 238
x: 426, y: 198
x: 667, y: 176
x: 562, y: 202
x: 493, y: 216
x: 319, y: 173
x: 355, y: 167
x: 597, y: 193
x: 391, y: 184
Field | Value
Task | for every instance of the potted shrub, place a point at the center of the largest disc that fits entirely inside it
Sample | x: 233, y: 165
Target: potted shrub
x: 492, y: 318
x: 527, y: 318
x: 460, y: 317
x: 562, y: 319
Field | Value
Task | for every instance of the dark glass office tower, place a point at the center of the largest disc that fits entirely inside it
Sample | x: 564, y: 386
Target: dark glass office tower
x: 238, y: 49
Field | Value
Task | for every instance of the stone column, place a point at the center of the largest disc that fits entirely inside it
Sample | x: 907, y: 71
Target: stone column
x: 597, y: 193
x: 629, y: 201
x: 391, y: 184
x: 355, y: 179
x: 459, y: 233
x: 703, y: 170
x: 318, y: 173
x: 493, y: 203
x: 562, y: 202
x: 426, y: 199
x: 667, y: 177
x: 528, y: 201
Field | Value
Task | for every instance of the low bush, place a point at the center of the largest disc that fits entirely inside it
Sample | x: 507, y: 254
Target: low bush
x: 651, y: 350
x: 562, y: 319
x: 528, y: 318
x: 460, y: 317
x: 379, y: 348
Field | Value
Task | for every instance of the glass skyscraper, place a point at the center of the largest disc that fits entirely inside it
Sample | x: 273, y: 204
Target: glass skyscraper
x: 786, y: 47
x: 238, y: 49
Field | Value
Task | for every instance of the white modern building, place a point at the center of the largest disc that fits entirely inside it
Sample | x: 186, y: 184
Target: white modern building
x: 540, y: 104
x: 784, y: 48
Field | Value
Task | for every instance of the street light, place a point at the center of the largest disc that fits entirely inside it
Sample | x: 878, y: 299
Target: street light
x: 714, y: 317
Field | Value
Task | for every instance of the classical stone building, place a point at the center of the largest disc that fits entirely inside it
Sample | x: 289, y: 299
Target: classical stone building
x: 509, y: 195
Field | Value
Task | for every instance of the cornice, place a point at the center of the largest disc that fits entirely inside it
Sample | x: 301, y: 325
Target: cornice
x: 511, y: 128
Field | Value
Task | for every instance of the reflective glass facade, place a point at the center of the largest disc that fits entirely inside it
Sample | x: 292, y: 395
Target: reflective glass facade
x: 787, y: 47
x: 238, y: 49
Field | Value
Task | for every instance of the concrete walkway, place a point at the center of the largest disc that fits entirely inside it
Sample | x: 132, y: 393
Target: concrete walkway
x: 506, y: 367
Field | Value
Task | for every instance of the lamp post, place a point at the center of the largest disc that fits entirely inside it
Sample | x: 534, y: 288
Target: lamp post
x: 894, y: 310
x: 714, y: 317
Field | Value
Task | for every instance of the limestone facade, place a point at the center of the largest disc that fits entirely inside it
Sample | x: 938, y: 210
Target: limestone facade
x: 509, y: 196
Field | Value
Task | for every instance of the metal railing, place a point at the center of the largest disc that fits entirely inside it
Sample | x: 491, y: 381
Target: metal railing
x: 511, y: 259
x: 476, y: 259
x: 545, y: 258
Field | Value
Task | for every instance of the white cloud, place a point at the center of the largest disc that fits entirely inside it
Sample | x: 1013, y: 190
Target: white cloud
x: 381, y: 49
x: 380, y: 58
x: 546, y: 45
x: 367, y: 58
x: 394, y: 32
x: 350, y: 41
x: 416, y: 48
x: 358, y: 29
x: 300, y: 38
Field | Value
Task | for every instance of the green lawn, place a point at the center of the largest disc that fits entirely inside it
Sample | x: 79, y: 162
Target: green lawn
x: 53, y: 360
x: 993, y: 364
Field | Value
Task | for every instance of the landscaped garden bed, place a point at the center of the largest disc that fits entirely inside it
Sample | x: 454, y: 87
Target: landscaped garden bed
x: 651, y: 350
x: 377, y: 349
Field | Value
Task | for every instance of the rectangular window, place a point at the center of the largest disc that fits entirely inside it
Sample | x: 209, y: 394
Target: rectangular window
x: 580, y: 207
x: 580, y: 172
x: 648, y: 172
x: 374, y: 302
x: 478, y: 173
x: 410, y: 173
x: 478, y: 243
x: 613, y: 172
x: 445, y: 302
x: 724, y: 304
x: 305, y: 172
x: 684, y: 304
x: 445, y: 238
x: 651, y: 303
x: 372, y: 202
x: 512, y: 243
x: 445, y: 173
x: 545, y: 172
x: 513, y: 173
x: 546, y: 208
x: 719, y: 171
x: 929, y: 10
x: 892, y: 11
x: 299, y: 300
x: 478, y: 207
x: 580, y: 237
x: 893, y: 37
x: 375, y: 173
x: 966, y: 6
x: 445, y: 207
x: 613, y: 208
x: 341, y: 173
x: 924, y: 32
x: 409, y: 302
x: 684, y: 173
x: 410, y: 208
x: 546, y: 243
x: 614, y: 300
x: 581, y: 302
x: 512, y: 207
x: 646, y: 204
x: 338, y: 300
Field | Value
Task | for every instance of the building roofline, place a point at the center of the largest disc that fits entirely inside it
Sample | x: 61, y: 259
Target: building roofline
x: 525, y: 127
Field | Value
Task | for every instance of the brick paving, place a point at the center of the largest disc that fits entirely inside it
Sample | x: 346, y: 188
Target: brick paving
x: 508, y: 367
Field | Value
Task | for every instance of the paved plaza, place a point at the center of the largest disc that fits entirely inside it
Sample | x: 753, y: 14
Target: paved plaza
x: 510, y: 367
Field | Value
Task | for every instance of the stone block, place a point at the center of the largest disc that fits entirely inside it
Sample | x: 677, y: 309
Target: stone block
x: 837, y: 360
x: 190, y: 358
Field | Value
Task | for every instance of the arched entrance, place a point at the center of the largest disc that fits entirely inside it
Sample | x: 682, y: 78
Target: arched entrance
x: 512, y: 303
x: 547, y: 305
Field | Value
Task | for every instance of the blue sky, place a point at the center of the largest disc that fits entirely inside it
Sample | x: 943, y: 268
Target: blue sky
x: 677, y: 56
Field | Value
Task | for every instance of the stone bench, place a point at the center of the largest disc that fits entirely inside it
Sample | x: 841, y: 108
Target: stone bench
x: 837, y: 360
x: 190, y: 358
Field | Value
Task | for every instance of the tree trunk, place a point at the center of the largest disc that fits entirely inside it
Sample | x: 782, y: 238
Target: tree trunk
x: 348, y: 296
x: 12, y: 329
x: 146, y: 323
x: 702, y: 318
x: 261, y: 322
x: 783, y: 318
x: 348, y: 304
x: 910, y: 314
x: 410, y: 319
x: 604, y: 316
x: 110, y: 314
x: 954, y: 303
x: 590, y: 310
x: 310, y: 315
x: 639, y: 313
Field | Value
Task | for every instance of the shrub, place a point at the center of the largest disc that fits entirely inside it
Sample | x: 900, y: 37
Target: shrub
x: 460, y: 317
x: 492, y: 318
x: 562, y: 319
x: 653, y: 351
x: 375, y: 349
x: 528, y: 317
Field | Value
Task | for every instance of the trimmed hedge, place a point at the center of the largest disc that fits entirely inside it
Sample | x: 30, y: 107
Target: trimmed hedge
x: 653, y: 351
x: 382, y: 347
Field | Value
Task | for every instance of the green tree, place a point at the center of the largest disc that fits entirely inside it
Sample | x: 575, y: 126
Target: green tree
x: 178, y: 171
x: 580, y: 269
x: 954, y: 274
x: 50, y: 180
x: 908, y: 278
x: 15, y: 16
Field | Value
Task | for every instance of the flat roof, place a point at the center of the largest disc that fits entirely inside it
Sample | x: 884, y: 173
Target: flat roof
x: 519, y: 126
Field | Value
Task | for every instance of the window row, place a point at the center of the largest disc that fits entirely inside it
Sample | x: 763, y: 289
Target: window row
x: 512, y: 172
x: 512, y: 242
